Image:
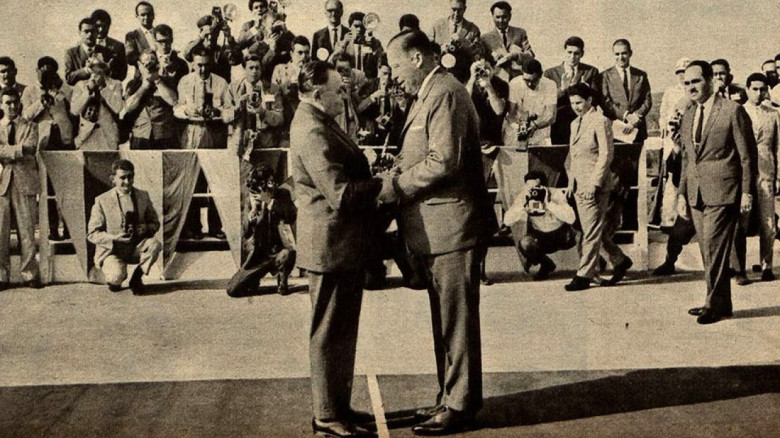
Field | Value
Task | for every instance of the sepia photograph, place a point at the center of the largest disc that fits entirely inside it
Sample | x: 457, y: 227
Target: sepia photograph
x: 372, y: 218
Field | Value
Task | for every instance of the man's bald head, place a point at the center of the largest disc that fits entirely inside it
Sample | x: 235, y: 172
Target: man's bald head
x: 335, y: 10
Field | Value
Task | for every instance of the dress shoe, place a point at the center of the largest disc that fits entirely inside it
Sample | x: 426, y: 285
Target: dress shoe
x: 767, y: 275
x: 447, y: 421
x: 546, y: 267
x: 756, y: 268
x: 578, y: 283
x: 218, y: 235
x: 709, y: 316
x: 698, y: 311
x: 428, y: 411
x: 620, y: 271
x: 114, y: 287
x: 360, y: 417
x: 339, y: 429
x: 282, y: 287
x: 375, y: 279
x: 136, y: 284
x: 33, y: 284
x: 666, y: 268
x: 741, y: 278
x: 485, y: 280
x: 3, y: 285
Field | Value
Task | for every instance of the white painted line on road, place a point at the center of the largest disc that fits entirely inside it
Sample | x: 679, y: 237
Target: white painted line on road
x: 377, y: 406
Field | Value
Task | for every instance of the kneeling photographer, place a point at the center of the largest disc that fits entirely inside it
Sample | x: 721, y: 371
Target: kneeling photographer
x: 269, y: 224
x: 548, y: 218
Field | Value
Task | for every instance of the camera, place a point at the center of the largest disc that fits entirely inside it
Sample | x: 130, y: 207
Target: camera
x: 359, y: 39
x: 216, y: 11
x: 47, y: 99
x: 207, y: 110
x: 261, y: 179
x: 254, y: 98
x: 535, y: 201
x: 481, y: 72
x: 129, y: 223
x: 383, y: 122
x: 152, y: 66
x: 453, y: 46
x: 278, y: 27
x: 522, y: 132
x: 92, y: 109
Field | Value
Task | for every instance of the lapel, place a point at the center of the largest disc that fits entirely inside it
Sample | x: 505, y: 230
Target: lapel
x: 577, y: 133
x: 422, y: 95
x: 636, y: 82
x: 686, y: 130
x: 712, y: 119
x: 619, y: 82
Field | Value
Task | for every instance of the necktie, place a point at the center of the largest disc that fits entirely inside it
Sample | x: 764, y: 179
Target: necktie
x: 11, y: 133
x: 699, y: 126
x: 579, y: 124
x: 359, y: 58
x: 625, y: 81
x: 335, y: 37
x: 503, y: 38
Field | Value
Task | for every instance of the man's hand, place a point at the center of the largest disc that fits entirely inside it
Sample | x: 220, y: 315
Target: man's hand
x: 387, y: 195
x: 121, y: 238
x: 682, y: 207
x: 746, y: 203
x: 633, y: 119
x: 192, y: 111
x: 141, y: 230
x: 280, y: 259
x: 587, y: 194
x: 378, y: 94
x: 271, y: 40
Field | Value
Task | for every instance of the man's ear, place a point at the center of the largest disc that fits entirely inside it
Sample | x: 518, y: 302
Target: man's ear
x: 417, y: 57
x: 316, y: 93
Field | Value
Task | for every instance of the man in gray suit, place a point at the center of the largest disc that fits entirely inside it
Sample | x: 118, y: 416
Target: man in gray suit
x: 718, y: 171
x: 445, y: 219
x: 18, y: 187
x: 591, y: 182
x: 506, y: 45
x: 336, y: 207
x: 143, y: 38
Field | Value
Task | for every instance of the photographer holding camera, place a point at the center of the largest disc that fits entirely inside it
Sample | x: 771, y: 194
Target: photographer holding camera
x: 46, y: 103
x: 269, y: 224
x: 361, y: 46
x: 458, y: 37
x: 258, y: 116
x: 122, y: 226
x: 352, y: 81
x: 98, y: 102
x: 149, y: 104
x: 380, y: 112
x: 223, y: 57
x: 532, y: 108
x: 547, y: 217
x: 172, y: 66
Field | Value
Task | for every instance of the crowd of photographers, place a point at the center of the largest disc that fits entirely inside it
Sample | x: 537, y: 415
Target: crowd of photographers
x: 191, y: 100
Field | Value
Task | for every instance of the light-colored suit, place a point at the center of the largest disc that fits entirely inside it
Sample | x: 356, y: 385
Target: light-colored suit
x: 107, y: 220
x: 103, y: 135
x: 766, y: 128
x: 714, y: 177
x: 444, y: 217
x: 56, y: 114
x: 18, y: 187
x: 616, y: 104
x: 587, y: 74
x: 493, y: 44
x: 203, y: 135
x: 336, y: 208
x: 590, y: 157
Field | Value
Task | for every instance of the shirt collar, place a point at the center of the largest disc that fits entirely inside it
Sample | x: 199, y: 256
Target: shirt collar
x: 4, y: 122
x: 426, y: 80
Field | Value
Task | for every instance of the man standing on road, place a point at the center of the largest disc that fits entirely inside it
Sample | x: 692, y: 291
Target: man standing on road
x: 336, y: 206
x: 718, y: 169
x: 444, y: 218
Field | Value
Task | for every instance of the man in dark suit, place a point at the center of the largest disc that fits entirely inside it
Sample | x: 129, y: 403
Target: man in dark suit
x: 138, y: 40
x: 507, y: 46
x: 327, y: 37
x: 76, y: 58
x: 18, y: 188
x: 336, y: 207
x: 626, y: 91
x: 117, y: 61
x: 444, y: 216
x: 723, y: 82
x: 570, y: 72
x: 223, y: 57
x: 718, y: 170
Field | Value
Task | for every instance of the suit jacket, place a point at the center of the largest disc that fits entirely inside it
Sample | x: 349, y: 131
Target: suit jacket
x: 321, y: 38
x: 724, y: 166
x: 118, y: 60
x: 493, y: 45
x: 444, y: 202
x: 107, y: 219
x: 268, y: 127
x: 17, y: 162
x: 587, y: 74
x: 335, y: 192
x: 57, y: 114
x: 75, y: 61
x: 135, y: 44
x: 766, y: 129
x: 590, y: 153
x: 468, y: 35
x: 616, y: 104
x: 225, y: 57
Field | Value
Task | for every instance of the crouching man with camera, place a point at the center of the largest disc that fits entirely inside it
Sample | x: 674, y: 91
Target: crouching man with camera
x: 122, y: 226
x: 548, y: 218
x: 269, y: 224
